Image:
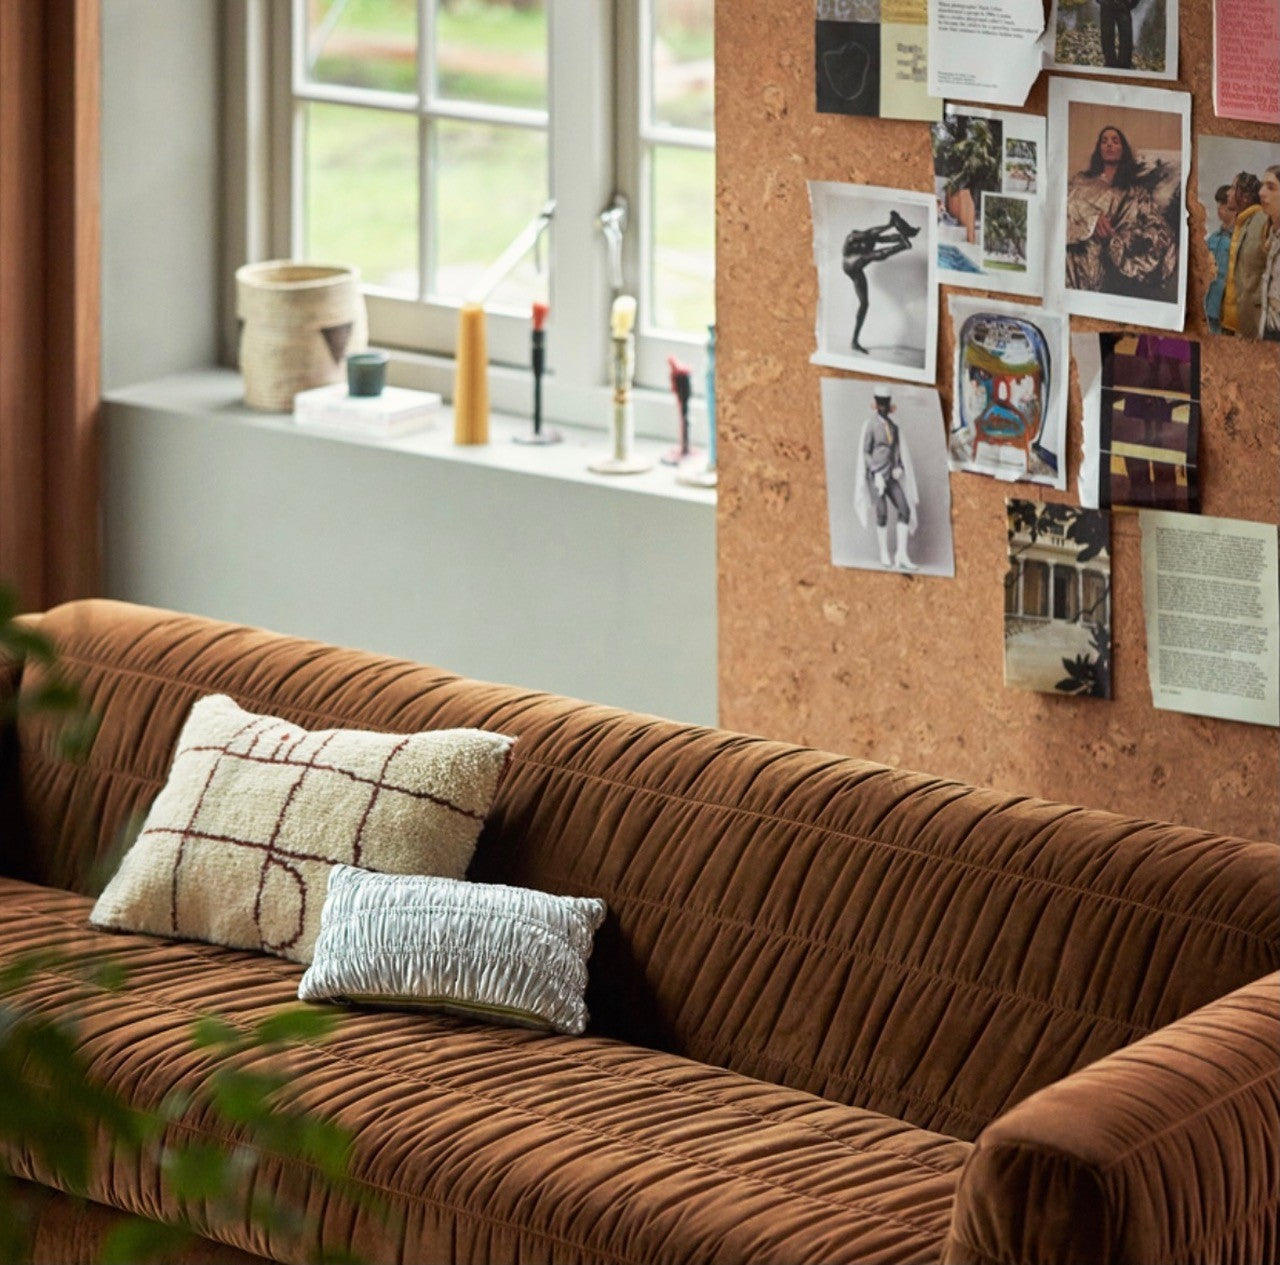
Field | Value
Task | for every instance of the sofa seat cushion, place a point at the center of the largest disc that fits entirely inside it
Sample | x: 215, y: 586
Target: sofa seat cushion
x: 492, y: 1144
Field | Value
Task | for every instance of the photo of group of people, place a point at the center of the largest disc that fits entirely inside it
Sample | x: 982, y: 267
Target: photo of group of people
x: 1239, y: 187
x: 988, y: 182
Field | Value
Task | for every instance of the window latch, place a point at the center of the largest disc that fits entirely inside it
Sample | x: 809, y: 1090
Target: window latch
x: 613, y: 222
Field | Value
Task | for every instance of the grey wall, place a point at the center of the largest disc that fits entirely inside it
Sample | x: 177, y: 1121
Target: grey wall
x: 159, y: 187
x: 581, y: 590
x: 576, y: 586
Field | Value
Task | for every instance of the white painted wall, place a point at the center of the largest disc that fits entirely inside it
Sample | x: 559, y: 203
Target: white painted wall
x: 567, y: 584
x: 159, y: 187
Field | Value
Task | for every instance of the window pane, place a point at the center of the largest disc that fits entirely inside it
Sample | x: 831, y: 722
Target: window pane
x: 361, y: 193
x: 489, y: 182
x: 683, y: 64
x: 684, y: 268
x: 493, y: 51
x: 364, y: 43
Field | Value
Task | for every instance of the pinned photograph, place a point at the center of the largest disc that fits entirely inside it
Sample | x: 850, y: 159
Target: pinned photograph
x: 888, y: 496
x: 1239, y: 188
x: 988, y: 179
x: 871, y: 58
x: 1057, y: 600
x: 1118, y: 225
x: 1137, y: 38
x: 1009, y: 403
x: 1022, y: 164
x: 1141, y: 398
x: 874, y: 250
x: 1005, y: 224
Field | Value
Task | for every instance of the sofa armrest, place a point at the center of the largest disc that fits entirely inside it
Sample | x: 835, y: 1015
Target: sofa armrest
x: 1163, y: 1152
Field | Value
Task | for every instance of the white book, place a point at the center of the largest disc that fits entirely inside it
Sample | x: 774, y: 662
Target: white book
x: 397, y: 411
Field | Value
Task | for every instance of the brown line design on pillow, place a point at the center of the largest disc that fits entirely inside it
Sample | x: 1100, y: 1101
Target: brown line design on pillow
x: 287, y: 761
x: 272, y: 859
x: 357, y: 846
x: 195, y: 812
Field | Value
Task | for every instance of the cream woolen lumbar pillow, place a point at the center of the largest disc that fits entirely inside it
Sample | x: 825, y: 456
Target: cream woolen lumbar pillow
x: 237, y: 847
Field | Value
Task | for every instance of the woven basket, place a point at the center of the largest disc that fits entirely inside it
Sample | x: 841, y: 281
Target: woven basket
x: 298, y: 323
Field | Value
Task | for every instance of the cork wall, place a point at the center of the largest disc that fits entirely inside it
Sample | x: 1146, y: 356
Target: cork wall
x: 908, y: 670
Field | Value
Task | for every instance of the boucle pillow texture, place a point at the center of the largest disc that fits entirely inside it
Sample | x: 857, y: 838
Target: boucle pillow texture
x: 484, y: 950
x: 238, y: 846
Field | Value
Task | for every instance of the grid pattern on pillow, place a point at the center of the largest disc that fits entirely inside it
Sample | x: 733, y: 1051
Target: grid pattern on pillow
x: 238, y: 845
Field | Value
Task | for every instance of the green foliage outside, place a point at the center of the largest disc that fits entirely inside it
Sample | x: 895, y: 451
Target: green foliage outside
x: 361, y: 199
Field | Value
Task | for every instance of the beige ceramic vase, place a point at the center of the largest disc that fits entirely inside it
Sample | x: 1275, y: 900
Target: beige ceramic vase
x: 298, y: 323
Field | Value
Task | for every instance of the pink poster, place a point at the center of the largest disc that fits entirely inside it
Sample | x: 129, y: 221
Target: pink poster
x: 1246, y: 60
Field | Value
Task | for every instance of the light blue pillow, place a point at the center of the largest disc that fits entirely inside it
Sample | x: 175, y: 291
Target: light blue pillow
x: 504, y: 954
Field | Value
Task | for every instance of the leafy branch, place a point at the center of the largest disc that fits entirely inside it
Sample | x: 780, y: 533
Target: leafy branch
x: 54, y: 1108
x: 60, y: 1110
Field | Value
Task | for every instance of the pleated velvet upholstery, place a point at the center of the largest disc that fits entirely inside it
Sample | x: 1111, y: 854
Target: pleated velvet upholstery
x: 880, y: 938
x: 1166, y: 1151
x: 65, y: 1231
x: 489, y: 1145
x: 819, y: 980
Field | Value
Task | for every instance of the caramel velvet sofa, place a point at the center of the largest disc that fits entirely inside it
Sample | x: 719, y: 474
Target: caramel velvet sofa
x: 840, y: 1012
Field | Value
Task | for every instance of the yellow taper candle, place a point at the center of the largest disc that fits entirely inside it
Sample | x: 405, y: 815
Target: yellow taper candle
x: 471, y: 379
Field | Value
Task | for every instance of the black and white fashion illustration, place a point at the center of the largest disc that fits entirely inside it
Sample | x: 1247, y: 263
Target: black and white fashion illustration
x: 885, y: 488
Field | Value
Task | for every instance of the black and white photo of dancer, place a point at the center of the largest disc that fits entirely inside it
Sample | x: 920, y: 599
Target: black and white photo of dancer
x: 864, y: 246
x: 875, y: 252
x: 886, y: 480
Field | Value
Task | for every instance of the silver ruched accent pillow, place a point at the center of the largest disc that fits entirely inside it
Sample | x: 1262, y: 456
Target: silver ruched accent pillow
x: 506, y: 954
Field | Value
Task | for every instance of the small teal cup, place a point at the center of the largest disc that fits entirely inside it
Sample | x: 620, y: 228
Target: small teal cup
x: 367, y: 372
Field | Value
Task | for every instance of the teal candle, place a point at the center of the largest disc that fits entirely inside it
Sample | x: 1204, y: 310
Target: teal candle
x: 367, y: 372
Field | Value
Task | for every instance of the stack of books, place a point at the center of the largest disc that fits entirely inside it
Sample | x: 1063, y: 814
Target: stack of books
x: 397, y: 411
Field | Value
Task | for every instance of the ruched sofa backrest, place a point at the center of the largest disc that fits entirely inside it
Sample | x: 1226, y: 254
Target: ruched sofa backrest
x: 911, y: 945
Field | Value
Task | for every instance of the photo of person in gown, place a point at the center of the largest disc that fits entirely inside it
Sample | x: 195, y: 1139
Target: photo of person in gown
x: 863, y: 247
x: 1122, y: 213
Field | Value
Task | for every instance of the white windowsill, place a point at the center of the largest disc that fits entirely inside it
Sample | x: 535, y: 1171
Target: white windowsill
x: 219, y: 392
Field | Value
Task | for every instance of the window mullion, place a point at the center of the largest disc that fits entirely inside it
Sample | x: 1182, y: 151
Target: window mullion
x: 426, y: 138
x: 582, y: 182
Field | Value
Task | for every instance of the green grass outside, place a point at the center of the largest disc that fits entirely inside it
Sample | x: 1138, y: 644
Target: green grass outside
x: 361, y: 202
x: 486, y: 52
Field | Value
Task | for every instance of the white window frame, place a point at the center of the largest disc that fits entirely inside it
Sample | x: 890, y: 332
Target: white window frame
x: 590, y: 85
